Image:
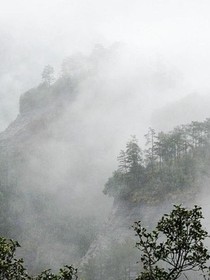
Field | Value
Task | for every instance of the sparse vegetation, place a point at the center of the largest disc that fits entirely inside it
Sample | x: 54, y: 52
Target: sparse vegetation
x: 175, y: 247
x: 12, y: 268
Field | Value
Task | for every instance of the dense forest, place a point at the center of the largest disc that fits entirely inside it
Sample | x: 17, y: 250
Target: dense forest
x: 174, y: 163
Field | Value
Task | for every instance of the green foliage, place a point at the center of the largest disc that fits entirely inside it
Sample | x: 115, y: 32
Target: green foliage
x: 175, y: 247
x: 66, y: 273
x: 116, y: 185
x: 130, y: 172
x: 133, y: 155
x: 173, y: 163
x: 12, y: 268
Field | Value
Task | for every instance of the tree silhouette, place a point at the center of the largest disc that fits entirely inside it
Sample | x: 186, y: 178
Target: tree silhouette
x: 175, y: 247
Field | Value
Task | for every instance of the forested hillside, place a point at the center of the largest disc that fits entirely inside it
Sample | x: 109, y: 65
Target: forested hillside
x: 173, y: 164
x: 173, y: 167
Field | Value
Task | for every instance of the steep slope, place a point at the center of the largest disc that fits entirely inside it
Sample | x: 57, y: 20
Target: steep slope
x: 53, y: 164
x: 174, y: 169
x: 58, y: 153
x: 44, y: 179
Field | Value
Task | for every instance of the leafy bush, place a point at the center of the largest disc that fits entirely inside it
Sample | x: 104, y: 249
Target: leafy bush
x: 175, y: 247
x: 12, y: 268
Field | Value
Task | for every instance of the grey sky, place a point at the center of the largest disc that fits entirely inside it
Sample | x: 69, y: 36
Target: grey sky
x: 173, y: 35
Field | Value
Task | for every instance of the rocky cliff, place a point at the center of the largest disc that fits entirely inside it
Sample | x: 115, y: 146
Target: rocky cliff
x: 45, y: 173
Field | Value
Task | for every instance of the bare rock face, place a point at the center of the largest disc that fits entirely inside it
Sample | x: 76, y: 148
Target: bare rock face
x: 118, y: 226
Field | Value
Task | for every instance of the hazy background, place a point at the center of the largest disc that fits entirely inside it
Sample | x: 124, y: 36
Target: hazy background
x: 157, y: 75
x: 168, y: 41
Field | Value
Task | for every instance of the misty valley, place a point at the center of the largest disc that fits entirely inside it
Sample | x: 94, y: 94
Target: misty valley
x: 71, y: 205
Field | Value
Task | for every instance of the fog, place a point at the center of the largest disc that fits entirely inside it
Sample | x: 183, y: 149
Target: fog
x: 156, y: 75
x: 173, y: 34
